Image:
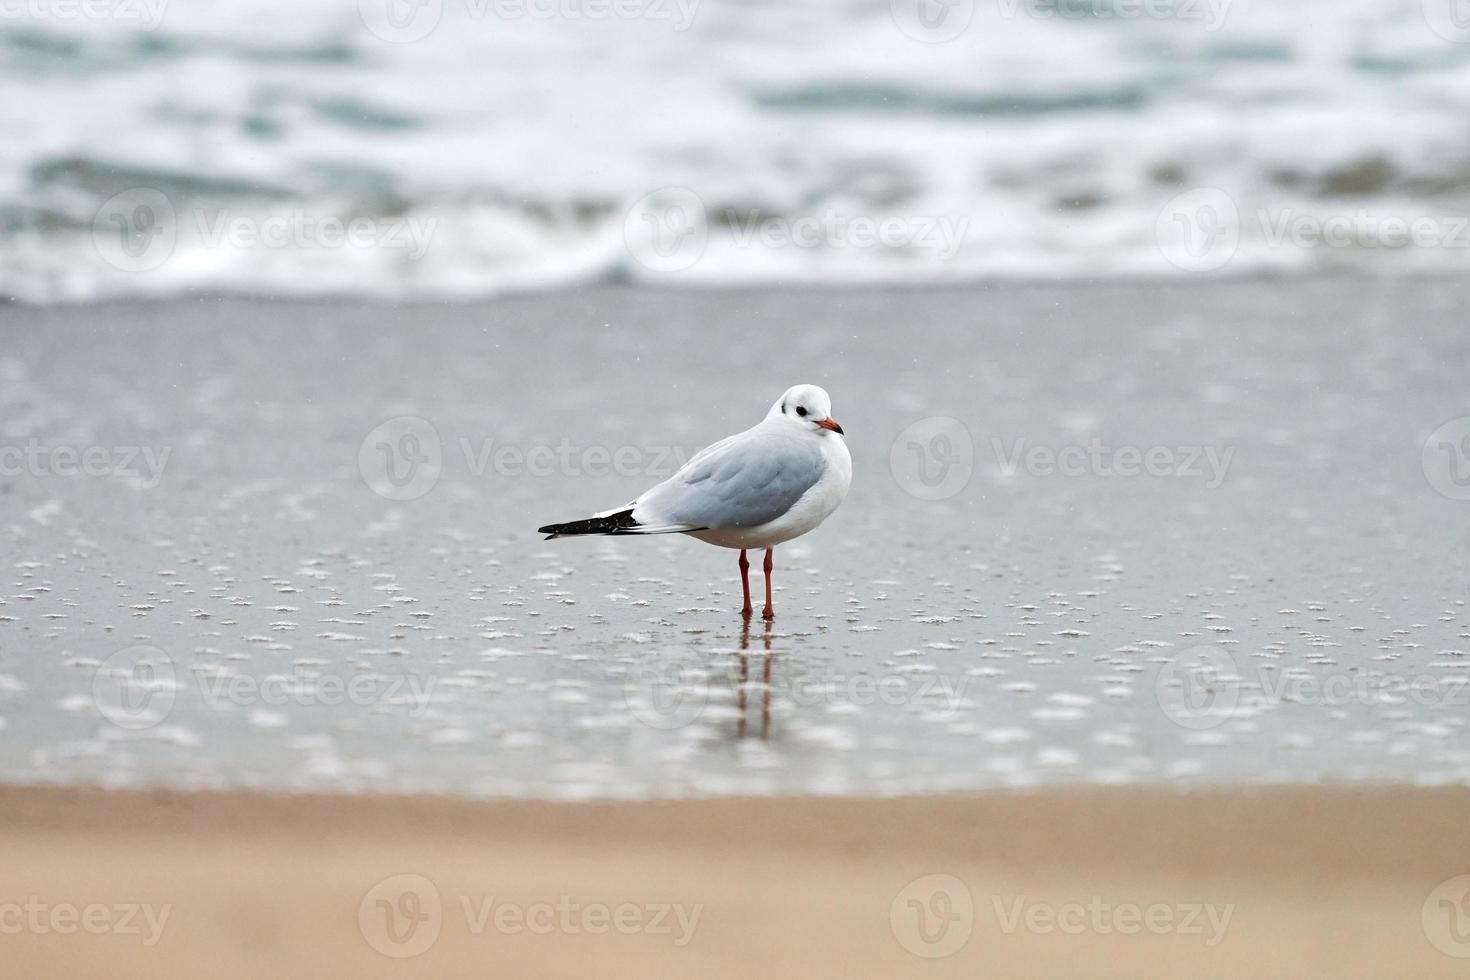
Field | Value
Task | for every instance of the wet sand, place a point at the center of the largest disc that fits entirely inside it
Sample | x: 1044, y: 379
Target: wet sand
x: 1281, y: 882
x: 977, y: 615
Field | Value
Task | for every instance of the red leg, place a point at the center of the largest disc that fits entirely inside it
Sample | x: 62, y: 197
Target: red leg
x: 745, y: 581
x: 768, y: 612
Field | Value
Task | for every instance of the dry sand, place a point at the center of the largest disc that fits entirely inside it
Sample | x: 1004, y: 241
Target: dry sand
x: 1113, y: 883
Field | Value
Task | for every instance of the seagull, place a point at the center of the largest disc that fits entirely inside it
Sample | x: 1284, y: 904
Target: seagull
x: 756, y: 489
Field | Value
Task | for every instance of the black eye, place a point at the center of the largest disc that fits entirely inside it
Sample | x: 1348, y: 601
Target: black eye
x: 801, y: 411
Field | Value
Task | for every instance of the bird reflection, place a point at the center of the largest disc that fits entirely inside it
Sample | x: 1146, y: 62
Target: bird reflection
x: 741, y: 689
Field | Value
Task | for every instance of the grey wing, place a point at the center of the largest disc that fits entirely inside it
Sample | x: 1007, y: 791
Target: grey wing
x: 746, y: 480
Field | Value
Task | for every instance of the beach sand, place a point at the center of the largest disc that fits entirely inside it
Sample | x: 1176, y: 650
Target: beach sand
x: 1288, y: 882
x: 793, y: 824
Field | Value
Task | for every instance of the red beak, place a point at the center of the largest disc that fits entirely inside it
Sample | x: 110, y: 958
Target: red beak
x: 832, y: 424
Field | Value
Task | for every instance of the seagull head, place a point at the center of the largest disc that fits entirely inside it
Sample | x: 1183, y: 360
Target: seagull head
x: 807, y: 406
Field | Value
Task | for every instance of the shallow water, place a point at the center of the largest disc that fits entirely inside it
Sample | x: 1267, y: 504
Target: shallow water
x: 1281, y: 600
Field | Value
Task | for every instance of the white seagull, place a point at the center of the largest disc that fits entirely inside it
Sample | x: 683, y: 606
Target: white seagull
x: 757, y: 489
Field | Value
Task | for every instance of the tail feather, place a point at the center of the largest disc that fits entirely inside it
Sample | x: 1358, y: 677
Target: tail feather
x: 620, y: 522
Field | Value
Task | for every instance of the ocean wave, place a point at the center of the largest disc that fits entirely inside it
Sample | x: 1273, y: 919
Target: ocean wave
x: 227, y: 148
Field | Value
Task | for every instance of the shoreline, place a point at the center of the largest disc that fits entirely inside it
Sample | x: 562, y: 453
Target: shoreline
x: 1132, y: 883
x: 1182, y: 281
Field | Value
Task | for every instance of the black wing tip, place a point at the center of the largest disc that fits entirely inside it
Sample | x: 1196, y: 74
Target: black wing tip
x: 620, y: 523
